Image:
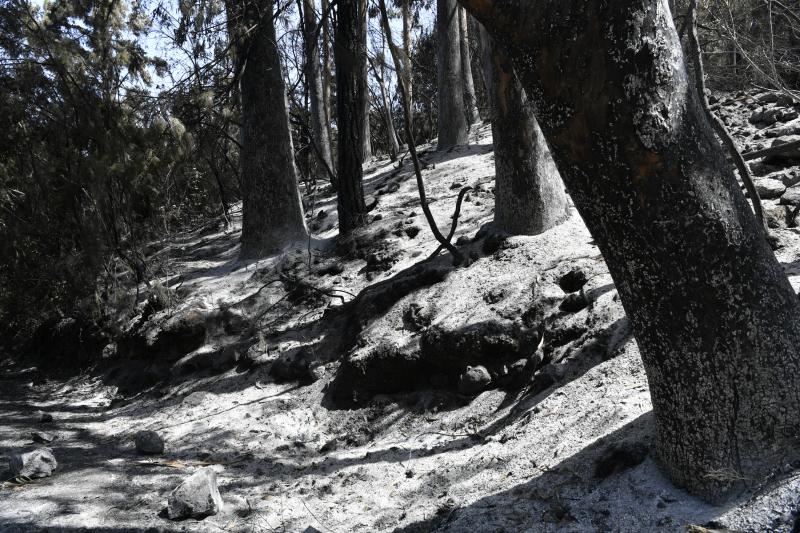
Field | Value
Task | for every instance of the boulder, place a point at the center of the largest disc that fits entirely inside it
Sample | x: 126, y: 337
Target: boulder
x: 475, y: 380
x: 34, y: 464
x: 197, y: 497
x: 768, y: 188
x: 149, y: 443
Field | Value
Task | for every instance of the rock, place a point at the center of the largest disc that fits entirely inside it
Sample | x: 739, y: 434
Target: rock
x: 769, y: 189
x: 777, y: 215
x: 43, y: 417
x: 197, y: 497
x: 493, y: 242
x: 574, y: 302
x: 393, y: 187
x: 791, y: 196
x: 475, y: 380
x: 573, y: 281
x: 462, y: 241
x: 371, y: 202
x: 412, y: 231
x: 196, y: 398
x: 149, y: 443
x: 42, y: 437
x: 787, y: 115
x: 786, y: 157
x: 34, y: 464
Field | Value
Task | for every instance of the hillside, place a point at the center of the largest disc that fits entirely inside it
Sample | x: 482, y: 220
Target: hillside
x: 355, y: 386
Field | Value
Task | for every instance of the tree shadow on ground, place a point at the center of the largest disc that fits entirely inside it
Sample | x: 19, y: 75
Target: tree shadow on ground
x: 543, y: 503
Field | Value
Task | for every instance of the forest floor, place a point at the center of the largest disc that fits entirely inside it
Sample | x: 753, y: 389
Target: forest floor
x: 320, y: 415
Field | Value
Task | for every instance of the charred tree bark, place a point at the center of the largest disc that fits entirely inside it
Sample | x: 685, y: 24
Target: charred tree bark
x: 452, y: 125
x: 350, y: 52
x: 408, y: 22
x: 487, y: 68
x: 272, y: 214
x: 529, y: 194
x: 319, y: 124
x: 715, y: 318
x: 470, y: 100
x: 327, y: 65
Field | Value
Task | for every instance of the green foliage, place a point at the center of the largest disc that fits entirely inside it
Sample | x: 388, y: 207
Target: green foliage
x: 93, y: 162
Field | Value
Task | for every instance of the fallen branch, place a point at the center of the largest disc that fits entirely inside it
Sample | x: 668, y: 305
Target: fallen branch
x: 402, y: 79
x: 774, y: 150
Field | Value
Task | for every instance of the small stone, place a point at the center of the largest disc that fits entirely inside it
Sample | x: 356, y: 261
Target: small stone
x: 791, y: 196
x: 463, y: 241
x: 42, y: 437
x: 43, y: 417
x: 149, y: 443
x: 393, y: 187
x: 197, y: 497
x: 412, y: 231
x: 768, y: 188
x: 573, y: 281
x: 34, y: 464
x: 574, y: 302
x: 475, y: 380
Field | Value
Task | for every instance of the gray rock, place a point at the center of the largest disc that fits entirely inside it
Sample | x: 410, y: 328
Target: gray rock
x: 475, y: 380
x: 43, y: 417
x: 197, y: 497
x: 769, y: 189
x: 791, y: 196
x: 42, y: 437
x: 34, y: 464
x: 149, y: 443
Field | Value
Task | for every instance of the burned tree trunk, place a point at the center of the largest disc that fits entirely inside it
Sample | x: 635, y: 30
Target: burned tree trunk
x: 716, y: 320
x: 487, y: 68
x: 529, y: 194
x: 272, y: 215
x: 350, y: 52
x: 319, y: 124
x: 453, y: 127
x: 470, y: 100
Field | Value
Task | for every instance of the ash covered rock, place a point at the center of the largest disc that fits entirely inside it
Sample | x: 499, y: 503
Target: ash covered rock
x: 149, y: 443
x: 197, y: 497
x: 37, y: 463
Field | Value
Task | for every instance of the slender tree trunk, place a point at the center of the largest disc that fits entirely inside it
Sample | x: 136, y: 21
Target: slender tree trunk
x: 366, y: 136
x: 391, y: 132
x: 327, y: 66
x: 351, y: 53
x: 319, y: 124
x: 272, y: 214
x: 453, y: 126
x: 487, y: 69
x: 529, y: 194
x: 716, y: 320
x: 470, y: 100
x: 408, y: 22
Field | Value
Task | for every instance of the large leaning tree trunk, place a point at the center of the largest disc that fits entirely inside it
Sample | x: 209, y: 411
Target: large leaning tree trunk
x: 470, y: 100
x: 272, y: 214
x: 319, y: 120
x: 350, y: 55
x: 716, y: 321
x: 529, y: 193
x: 452, y: 118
